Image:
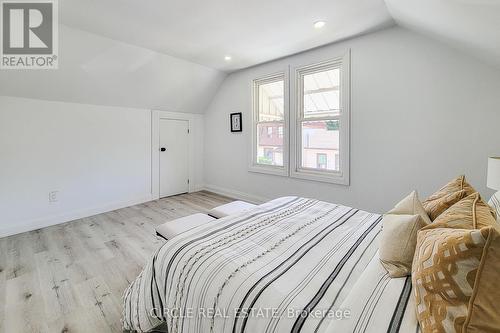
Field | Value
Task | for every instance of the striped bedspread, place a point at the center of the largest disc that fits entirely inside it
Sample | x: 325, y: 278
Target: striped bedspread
x: 290, y: 265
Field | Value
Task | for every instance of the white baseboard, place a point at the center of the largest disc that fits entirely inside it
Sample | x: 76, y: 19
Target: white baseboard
x: 48, y: 221
x: 256, y: 199
x: 69, y: 216
x: 198, y: 187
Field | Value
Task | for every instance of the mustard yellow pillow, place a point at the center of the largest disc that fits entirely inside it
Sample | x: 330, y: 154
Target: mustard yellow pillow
x: 469, y: 213
x: 447, y: 196
x: 455, y: 279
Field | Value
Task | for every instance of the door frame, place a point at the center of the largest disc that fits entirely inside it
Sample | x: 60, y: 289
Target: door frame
x: 156, y: 116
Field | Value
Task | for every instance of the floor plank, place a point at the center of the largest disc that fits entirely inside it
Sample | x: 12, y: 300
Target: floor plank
x: 71, y: 277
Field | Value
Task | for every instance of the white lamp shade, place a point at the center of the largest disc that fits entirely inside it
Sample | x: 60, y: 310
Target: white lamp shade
x: 493, y: 180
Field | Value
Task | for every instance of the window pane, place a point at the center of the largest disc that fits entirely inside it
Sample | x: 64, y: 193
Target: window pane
x: 270, y: 143
x: 320, y: 145
x: 322, y: 93
x: 271, y: 101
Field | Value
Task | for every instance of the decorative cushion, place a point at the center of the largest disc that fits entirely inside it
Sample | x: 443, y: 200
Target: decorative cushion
x: 399, y: 235
x: 455, y: 274
x: 230, y: 208
x: 410, y: 205
x: 175, y: 227
x: 495, y: 204
x: 398, y: 241
x: 468, y: 213
x: 447, y: 196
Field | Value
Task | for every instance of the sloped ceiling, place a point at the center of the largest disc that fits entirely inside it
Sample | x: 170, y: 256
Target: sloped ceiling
x: 204, y: 31
x: 169, y: 54
x: 101, y: 71
x: 469, y: 25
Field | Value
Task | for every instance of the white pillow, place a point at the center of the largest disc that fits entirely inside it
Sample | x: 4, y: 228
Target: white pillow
x: 495, y: 204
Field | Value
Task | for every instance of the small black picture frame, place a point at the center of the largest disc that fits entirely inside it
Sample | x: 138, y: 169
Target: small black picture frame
x: 236, y: 122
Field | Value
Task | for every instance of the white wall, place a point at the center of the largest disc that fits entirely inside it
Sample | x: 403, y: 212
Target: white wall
x: 97, y: 157
x: 421, y: 113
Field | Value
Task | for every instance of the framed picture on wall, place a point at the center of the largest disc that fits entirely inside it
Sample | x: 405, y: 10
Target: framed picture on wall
x: 236, y: 122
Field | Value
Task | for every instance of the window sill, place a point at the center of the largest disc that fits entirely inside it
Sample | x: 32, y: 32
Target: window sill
x: 270, y: 170
x: 318, y: 176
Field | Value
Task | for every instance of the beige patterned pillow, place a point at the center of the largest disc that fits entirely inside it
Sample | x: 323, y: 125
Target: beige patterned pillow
x: 455, y: 274
x: 469, y: 213
x: 448, y: 195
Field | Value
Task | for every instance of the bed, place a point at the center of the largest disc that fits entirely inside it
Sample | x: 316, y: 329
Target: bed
x: 290, y: 265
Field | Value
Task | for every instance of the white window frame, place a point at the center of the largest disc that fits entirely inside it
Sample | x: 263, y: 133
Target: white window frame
x: 253, y: 165
x: 296, y: 118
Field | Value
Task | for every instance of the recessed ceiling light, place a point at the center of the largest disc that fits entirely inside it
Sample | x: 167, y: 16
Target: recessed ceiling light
x: 227, y: 58
x: 319, y: 24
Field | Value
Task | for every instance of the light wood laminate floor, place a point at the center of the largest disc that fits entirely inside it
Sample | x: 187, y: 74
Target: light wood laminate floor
x: 71, y: 277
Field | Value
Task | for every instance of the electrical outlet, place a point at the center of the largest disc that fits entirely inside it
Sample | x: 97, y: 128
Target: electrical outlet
x: 53, y: 196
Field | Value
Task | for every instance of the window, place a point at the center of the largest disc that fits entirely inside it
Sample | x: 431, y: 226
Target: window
x: 320, y: 115
x: 269, y: 141
x: 310, y: 114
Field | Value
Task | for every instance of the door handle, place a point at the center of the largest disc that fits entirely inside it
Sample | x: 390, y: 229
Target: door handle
x: 163, y: 149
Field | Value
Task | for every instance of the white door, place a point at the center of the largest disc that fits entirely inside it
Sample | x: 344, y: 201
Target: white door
x: 174, y: 161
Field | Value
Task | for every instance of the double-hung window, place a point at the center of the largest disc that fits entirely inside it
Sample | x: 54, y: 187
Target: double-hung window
x: 270, y: 122
x: 304, y: 133
x: 320, y: 121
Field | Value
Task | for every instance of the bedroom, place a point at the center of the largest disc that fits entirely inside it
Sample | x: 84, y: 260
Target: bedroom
x: 285, y: 118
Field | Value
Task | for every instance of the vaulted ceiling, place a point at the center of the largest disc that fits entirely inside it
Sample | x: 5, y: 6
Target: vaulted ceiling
x: 102, y: 71
x: 169, y: 54
x: 469, y: 25
x: 202, y: 31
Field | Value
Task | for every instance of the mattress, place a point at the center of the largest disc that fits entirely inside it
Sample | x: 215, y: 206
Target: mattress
x: 290, y: 265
